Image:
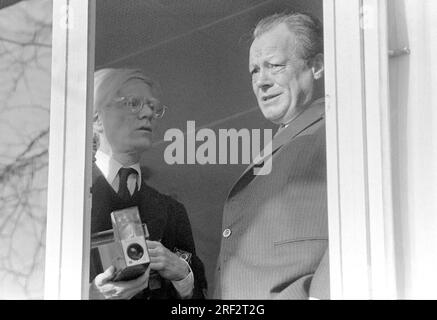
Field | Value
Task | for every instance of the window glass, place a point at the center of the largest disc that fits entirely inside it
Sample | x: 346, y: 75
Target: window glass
x: 25, y: 69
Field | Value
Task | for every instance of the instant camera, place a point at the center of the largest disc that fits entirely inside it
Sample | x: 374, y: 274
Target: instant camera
x: 124, y: 246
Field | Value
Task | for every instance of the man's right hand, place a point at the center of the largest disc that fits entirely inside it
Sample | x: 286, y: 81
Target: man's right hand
x: 103, y: 288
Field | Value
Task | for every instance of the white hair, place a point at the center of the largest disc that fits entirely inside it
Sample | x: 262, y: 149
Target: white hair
x: 108, y: 81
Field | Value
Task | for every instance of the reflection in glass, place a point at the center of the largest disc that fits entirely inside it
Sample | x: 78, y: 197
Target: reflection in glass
x: 25, y: 66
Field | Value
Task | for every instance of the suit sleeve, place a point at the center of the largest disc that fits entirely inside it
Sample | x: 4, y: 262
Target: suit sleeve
x: 314, y: 284
x: 320, y: 288
x: 185, y: 242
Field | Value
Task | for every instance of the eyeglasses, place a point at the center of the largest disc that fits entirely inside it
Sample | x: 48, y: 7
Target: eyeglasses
x: 136, y: 104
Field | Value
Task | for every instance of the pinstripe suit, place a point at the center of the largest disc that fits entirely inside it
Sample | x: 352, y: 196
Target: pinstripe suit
x: 275, y: 230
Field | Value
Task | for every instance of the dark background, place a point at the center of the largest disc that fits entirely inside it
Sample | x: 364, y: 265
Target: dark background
x: 198, y: 52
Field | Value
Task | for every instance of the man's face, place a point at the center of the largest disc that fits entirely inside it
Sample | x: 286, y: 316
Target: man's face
x: 281, y: 81
x: 124, y: 130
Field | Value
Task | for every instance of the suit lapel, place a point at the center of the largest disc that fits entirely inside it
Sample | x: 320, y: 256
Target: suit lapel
x: 305, y: 120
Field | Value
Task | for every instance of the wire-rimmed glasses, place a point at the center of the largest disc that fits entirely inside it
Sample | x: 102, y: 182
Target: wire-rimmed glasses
x: 136, y: 104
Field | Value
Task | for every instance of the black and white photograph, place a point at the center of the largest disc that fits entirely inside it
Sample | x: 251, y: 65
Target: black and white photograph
x: 224, y: 150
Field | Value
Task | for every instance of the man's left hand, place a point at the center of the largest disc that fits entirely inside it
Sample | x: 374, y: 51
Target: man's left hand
x: 168, y: 264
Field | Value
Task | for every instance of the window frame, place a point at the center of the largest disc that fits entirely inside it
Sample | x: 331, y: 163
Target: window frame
x: 362, y: 258
x: 358, y: 150
x: 70, y: 150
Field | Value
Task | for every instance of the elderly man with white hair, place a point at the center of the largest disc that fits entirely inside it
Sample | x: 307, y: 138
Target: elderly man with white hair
x: 125, y: 111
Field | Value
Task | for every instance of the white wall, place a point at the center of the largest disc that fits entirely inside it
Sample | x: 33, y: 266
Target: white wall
x: 413, y: 82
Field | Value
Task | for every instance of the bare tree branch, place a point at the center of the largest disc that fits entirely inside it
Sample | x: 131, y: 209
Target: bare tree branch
x: 24, y: 138
x: 25, y: 43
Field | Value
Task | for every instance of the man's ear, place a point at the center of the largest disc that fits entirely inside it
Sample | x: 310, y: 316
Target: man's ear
x: 97, y: 124
x: 318, y: 66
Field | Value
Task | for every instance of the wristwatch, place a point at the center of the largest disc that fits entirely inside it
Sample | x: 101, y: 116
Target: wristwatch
x: 185, y: 255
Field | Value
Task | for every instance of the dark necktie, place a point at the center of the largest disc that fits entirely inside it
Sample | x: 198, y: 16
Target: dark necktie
x: 123, y: 191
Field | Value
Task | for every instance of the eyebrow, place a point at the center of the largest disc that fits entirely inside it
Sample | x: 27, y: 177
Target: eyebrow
x: 251, y: 66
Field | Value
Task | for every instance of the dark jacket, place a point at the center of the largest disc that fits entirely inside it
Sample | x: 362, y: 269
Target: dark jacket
x: 166, y: 219
x: 275, y: 226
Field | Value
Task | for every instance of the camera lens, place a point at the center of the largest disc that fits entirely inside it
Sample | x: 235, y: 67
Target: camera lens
x: 135, y: 251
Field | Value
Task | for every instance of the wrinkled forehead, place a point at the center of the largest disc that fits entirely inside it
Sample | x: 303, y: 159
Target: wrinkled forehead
x: 136, y: 87
x: 272, y: 43
x: 258, y: 51
x: 260, y: 45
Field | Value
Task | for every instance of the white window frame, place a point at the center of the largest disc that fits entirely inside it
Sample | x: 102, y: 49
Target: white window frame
x: 70, y: 156
x: 358, y: 150
x: 362, y: 259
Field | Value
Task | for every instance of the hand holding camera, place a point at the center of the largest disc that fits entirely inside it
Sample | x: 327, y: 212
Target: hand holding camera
x: 167, y: 263
x: 121, y: 258
x: 124, y: 258
x: 104, y: 288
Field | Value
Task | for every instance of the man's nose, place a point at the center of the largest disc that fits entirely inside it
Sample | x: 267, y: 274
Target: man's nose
x: 146, y: 111
x: 264, y: 80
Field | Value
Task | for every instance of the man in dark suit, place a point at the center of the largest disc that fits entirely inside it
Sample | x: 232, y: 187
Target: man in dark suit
x: 275, y: 233
x: 125, y: 109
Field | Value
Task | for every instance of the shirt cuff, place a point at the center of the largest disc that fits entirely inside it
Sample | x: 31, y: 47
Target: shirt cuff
x: 185, y: 286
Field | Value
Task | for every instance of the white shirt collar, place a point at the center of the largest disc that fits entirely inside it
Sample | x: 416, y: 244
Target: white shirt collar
x: 110, y: 167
